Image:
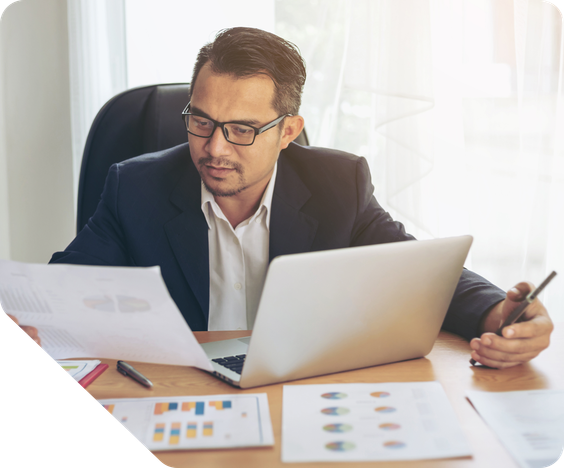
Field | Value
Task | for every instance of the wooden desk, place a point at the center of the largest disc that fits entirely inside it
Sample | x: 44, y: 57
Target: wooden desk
x: 447, y: 363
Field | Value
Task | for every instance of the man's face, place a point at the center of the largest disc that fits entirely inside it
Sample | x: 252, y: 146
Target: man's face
x: 229, y: 170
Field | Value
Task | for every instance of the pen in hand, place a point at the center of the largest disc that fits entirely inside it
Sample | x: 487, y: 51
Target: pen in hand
x: 128, y: 370
x: 520, y: 309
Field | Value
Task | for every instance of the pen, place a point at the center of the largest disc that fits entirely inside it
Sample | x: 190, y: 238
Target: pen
x: 128, y: 370
x: 514, y: 316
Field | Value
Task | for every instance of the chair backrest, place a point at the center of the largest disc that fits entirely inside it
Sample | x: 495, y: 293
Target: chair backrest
x: 137, y: 121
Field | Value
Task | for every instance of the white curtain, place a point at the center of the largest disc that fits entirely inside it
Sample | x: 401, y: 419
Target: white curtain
x: 97, y: 65
x: 458, y: 105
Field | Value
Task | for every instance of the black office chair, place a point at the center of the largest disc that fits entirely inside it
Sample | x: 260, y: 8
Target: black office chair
x: 137, y: 121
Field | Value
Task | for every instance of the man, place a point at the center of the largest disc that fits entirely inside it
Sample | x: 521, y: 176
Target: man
x: 212, y: 213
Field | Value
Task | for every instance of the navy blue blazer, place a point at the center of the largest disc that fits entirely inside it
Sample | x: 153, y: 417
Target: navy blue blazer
x: 150, y: 214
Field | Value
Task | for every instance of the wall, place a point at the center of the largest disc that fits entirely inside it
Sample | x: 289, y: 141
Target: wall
x: 36, y: 199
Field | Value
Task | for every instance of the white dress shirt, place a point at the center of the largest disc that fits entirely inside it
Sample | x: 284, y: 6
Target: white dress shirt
x: 238, y: 262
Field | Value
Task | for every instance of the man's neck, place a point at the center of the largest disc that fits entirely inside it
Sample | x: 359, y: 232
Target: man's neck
x: 241, y: 206
x: 237, y: 209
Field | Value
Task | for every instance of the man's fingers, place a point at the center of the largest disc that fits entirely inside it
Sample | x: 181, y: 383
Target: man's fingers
x: 528, y: 340
x: 497, y: 356
x: 520, y: 291
x: 539, y: 326
x: 520, y: 352
x: 490, y: 341
x: 32, y: 332
x: 521, y: 341
x: 14, y: 319
x: 494, y: 363
x: 28, y: 329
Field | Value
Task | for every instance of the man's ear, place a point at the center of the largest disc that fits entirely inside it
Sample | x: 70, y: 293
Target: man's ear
x: 293, y: 125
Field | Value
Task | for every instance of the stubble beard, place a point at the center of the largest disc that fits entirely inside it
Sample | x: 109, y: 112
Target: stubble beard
x: 216, y: 192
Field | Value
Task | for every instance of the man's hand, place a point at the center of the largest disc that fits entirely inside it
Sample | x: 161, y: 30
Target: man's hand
x: 521, y: 341
x: 31, y: 331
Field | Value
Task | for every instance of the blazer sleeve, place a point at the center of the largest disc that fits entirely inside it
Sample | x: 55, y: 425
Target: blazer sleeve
x: 101, y: 241
x: 473, y: 296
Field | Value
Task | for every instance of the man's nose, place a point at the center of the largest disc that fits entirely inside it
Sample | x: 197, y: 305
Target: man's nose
x: 217, y: 144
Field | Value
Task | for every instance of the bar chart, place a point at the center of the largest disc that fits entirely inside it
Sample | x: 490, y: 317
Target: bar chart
x: 195, y: 422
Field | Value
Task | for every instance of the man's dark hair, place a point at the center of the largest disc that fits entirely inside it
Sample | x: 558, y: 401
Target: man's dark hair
x: 244, y: 52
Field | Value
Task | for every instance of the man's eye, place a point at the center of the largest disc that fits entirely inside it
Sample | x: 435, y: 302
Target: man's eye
x: 241, y: 130
x: 202, y: 123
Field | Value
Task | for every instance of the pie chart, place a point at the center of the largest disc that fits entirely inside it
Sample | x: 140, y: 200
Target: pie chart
x: 385, y: 409
x: 104, y: 303
x: 335, y: 411
x: 389, y: 426
x: 334, y: 395
x: 337, y: 427
x: 132, y: 304
x: 340, y: 446
x: 394, y: 444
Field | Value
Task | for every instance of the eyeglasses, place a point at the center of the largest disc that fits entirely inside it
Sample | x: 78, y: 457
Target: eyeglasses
x: 236, y: 133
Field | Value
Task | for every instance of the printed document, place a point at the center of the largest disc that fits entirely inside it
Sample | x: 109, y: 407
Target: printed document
x: 369, y: 422
x: 103, y: 312
x: 199, y: 422
x: 530, y: 424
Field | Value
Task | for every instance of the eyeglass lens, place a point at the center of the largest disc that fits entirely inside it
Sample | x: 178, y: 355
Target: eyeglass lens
x: 234, y: 133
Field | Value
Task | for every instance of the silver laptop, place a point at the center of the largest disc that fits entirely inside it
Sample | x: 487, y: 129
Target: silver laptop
x: 337, y: 310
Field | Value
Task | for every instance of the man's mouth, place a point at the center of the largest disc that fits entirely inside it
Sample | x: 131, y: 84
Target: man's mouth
x: 217, y: 168
x: 218, y: 171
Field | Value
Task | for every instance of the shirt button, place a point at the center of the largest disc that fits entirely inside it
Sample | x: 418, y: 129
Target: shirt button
x: 235, y: 240
x: 237, y: 286
x: 257, y: 220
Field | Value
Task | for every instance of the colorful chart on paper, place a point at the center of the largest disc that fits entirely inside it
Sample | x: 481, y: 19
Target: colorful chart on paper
x: 196, y: 422
x: 369, y: 422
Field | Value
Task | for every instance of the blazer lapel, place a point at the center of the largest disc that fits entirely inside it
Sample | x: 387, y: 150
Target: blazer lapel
x: 188, y: 236
x: 291, y: 231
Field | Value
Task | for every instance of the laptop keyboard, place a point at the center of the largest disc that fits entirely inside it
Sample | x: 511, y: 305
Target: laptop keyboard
x: 234, y: 363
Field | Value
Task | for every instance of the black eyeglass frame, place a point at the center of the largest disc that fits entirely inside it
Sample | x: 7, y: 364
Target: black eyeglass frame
x: 258, y: 131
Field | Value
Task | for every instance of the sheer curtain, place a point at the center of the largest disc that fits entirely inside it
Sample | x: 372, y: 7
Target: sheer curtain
x: 115, y: 45
x: 458, y: 106
x: 164, y: 37
x: 97, y: 65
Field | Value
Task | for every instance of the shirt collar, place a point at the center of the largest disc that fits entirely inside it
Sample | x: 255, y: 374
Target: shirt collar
x: 265, y: 203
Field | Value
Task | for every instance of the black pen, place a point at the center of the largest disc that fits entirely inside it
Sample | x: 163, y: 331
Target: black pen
x: 128, y: 370
x: 514, y: 316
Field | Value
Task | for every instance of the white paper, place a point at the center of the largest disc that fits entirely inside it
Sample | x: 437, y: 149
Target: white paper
x: 369, y: 422
x: 79, y: 369
x: 103, y: 312
x: 198, y: 422
x: 530, y: 424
